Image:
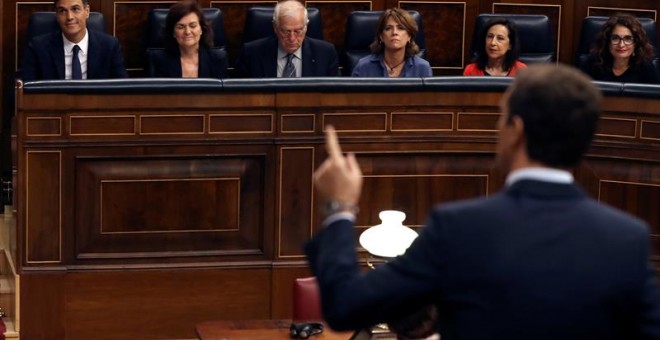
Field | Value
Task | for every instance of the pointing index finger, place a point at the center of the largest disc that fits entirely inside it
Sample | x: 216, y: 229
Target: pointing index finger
x: 332, y: 143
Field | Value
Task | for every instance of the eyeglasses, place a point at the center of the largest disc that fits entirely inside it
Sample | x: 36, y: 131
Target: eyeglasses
x: 297, y: 32
x: 627, y: 40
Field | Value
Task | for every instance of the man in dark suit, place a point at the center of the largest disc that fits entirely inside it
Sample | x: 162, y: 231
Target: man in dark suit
x: 538, y: 260
x: 74, y: 52
x: 289, y: 53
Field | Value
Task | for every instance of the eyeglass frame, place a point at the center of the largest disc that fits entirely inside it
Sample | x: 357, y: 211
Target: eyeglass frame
x: 297, y: 32
x: 616, y: 40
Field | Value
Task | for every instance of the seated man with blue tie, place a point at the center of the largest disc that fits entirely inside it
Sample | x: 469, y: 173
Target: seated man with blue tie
x: 74, y: 52
x: 289, y: 53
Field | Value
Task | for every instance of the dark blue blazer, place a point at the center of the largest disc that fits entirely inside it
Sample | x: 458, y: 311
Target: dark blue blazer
x: 212, y: 64
x: 258, y: 59
x: 44, y: 57
x: 535, y: 261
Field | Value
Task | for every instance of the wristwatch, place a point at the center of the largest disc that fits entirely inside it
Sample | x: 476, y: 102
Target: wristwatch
x: 333, y: 206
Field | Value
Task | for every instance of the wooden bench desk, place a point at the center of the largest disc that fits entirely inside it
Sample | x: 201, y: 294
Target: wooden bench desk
x: 257, y: 330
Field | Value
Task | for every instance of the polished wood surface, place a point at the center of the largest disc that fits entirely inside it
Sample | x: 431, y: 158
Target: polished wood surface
x: 162, y: 226
x: 258, y: 330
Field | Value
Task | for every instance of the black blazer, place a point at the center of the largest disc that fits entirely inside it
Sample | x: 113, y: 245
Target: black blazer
x: 212, y: 63
x: 44, y: 57
x: 537, y: 260
x: 258, y: 59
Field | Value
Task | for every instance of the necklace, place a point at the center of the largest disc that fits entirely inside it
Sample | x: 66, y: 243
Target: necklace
x: 390, y: 69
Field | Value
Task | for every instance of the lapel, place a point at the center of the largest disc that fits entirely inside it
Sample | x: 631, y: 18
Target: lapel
x: 204, y: 62
x: 269, y: 61
x: 57, y: 50
x: 92, y: 56
x: 308, y: 60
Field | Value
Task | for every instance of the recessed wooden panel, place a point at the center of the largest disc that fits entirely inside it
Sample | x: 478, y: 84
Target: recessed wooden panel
x: 169, y: 206
x: 356, y: 122
x: 44, y: 126
x: 296, y: 200
x: 627, y: 197
x: 444, y: 31
x: 23, y: 11
x: 145, y: 206
x: 43, y: 224
x: 237, y: 123
x: 553, y: 12
x: 171, y: 124
x: 135, y: 300
x: 623, y: 8
x: 334, y: 15
x: 414, y: 181
x: 298, y: 123
x: 475, y: 121
x: 131, y: 27
x: 102, y: 125
x: 650, y: 129
x: 617, y: 127
x: 422, y: 121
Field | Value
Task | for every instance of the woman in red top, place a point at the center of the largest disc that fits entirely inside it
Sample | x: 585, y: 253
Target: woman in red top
x: 497, y: 55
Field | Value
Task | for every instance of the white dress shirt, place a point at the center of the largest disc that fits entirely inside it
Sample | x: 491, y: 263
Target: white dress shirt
x: 82, y: 55
x: 281, y: 62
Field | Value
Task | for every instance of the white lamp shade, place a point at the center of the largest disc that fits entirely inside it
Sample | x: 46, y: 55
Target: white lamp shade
x: 390, y: 238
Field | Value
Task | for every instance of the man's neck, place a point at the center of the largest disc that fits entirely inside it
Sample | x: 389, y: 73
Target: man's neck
x: 77, y: 38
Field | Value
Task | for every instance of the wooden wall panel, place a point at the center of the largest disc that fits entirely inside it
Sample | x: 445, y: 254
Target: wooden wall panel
x: 43, y: 222
x: 334, y: 14
x: 445, y: 33
x: 296, y: 200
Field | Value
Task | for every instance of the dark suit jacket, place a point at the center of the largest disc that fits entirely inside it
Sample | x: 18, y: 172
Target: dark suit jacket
x: 258, y: 59
x: 535, y: 261
x: 44, y: 57
x: 212, y: 64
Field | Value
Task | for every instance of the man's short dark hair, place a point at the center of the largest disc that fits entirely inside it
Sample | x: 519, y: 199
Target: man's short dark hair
x: 559, y: 107
x: 85, y: 2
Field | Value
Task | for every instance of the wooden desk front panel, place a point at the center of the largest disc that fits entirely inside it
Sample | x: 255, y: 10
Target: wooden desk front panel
x: 175, y: 182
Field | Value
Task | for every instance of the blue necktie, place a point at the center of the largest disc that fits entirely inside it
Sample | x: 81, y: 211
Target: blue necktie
x: 289, y: 69
x: 76, y: 70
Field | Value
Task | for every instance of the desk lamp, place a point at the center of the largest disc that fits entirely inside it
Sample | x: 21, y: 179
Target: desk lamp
x: 390, y: 238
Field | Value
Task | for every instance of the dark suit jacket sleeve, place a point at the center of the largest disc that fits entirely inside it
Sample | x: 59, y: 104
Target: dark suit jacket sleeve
x: 352, y: 299
x: 118, y: 70
x: 30, y: 66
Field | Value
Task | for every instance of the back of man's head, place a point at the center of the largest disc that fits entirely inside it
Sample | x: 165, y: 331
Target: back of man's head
x: 559, y: 107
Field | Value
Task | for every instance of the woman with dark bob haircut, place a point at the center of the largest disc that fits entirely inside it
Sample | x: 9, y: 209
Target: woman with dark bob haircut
x: 188, y: 39
x: 394, y: 51
x: 622, y: 53
x: 497, y: 51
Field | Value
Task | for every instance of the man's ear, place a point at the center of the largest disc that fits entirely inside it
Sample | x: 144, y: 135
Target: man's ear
x: 518, y: 136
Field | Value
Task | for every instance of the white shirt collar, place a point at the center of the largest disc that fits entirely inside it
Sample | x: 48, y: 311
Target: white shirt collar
x: 282, y: 54
x: 83, y: 44
x: 540, y: 174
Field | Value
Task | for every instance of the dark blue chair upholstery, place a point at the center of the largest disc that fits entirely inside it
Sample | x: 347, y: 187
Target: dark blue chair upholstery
x: 360, y: 33
x: 259, y: 23
x: 45, y: 22
x: 156, y: 24
x: 592, y: 25
x: 536, y: 44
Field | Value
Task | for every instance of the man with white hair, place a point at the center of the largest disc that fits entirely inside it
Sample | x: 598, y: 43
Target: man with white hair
x: 288, y: 54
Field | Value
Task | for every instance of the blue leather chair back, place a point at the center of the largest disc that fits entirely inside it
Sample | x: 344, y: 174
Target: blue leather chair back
x: 259, y: 23
x: 534, y: 34
x: 592, y: 25
x: 360, y: 33
x: 156, y: 24
x: 45, y: 22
